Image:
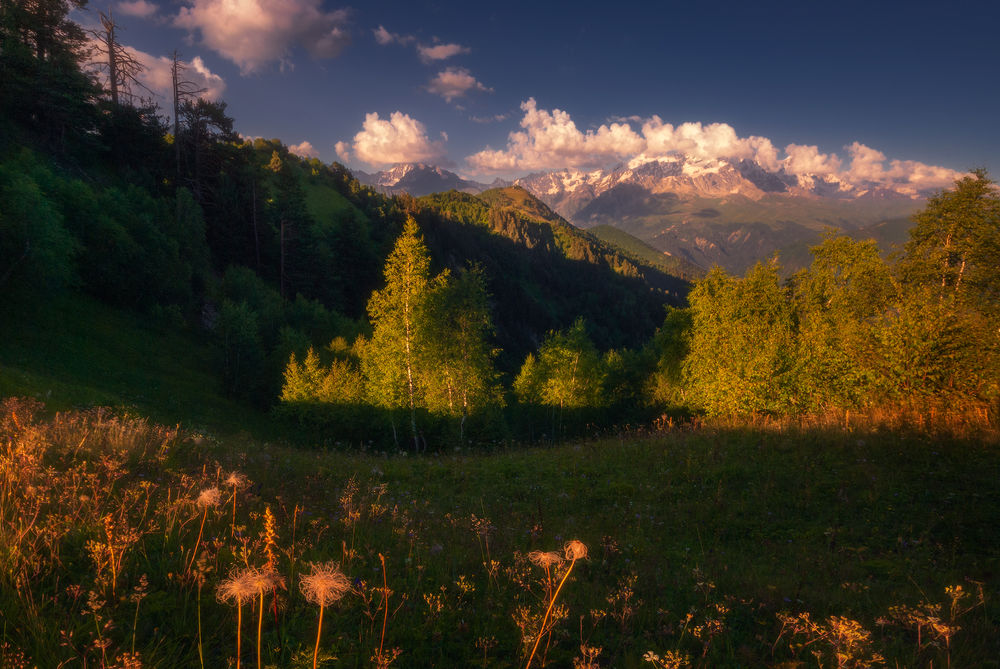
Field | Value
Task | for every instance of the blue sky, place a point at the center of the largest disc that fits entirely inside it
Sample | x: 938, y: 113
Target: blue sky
x: 835, y: 88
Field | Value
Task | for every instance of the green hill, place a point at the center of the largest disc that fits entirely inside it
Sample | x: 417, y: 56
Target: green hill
x: 75, y: 352
x: 642, y: 252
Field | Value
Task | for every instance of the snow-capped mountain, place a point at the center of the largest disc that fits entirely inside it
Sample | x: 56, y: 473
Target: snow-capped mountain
x: 726, y: 212
x: 569, y: 191
x: 705, y: 211
x: 418, y: 179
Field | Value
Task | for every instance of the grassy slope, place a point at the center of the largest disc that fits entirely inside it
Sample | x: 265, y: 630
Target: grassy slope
x: 325, y: 203
x: 75, y: 351
x: 636, y: 248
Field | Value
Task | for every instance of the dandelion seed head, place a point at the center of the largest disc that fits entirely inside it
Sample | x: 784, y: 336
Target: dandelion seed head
x: 208, y: 497
x: 267, y: 579
x: 575, y: 550
x: 239, y: 588
x: 545, y: 558
x: 325, y: 584
x: 236, y: 480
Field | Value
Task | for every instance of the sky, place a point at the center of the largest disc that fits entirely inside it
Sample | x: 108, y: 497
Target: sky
x: 880, y: 90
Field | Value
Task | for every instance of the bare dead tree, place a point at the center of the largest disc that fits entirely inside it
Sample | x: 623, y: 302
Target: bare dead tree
x: 183, y: 90
x: 122, y: 67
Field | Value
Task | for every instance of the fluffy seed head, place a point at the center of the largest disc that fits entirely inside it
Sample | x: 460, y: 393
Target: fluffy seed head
x: 545, y: 558
x: 236, y: 480
x: 325, y: 585
x: 239, y: 588
x: 267, y: 579
x: 208, y: 497
x: 575, y: 550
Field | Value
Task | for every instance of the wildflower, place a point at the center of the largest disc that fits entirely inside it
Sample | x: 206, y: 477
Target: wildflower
x: 239, y: 588
x: 325, y: 585
x: 236, y: 480
x: 575, y: 550
x: 545, y: 559
x: 208, y: 497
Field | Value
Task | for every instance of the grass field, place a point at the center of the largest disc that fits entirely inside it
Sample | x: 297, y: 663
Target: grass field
x: 701, y: 540
x: 707, y: 542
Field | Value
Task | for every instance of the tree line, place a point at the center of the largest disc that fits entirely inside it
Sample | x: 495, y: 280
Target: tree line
x: 853, y: 331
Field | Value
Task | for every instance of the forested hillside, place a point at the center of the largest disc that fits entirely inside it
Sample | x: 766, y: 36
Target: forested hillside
x: 346, y: 308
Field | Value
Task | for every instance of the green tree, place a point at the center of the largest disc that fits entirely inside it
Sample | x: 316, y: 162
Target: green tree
x: 339, y: 382
x: 42, y: 87
x: 454, y: 325
x: 742, y: 349
x: 954, y: 244
x: 946, y: 338
x: 567, y: 374
x: 390, y: 361
x: 842, y: 304
x: 36, y: 250
x: 666, y: 386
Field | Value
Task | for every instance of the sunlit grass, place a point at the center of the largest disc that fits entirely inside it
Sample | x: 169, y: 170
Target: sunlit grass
x: 707, y: 546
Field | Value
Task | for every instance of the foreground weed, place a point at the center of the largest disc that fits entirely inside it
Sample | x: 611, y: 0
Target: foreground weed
x: 932, y: 626
x: 238, y: 589
x: 324, y: 586
x: 840, y: 642
x: 573, y: 550
x: 264, y: 581
x: 670, y: 660
x: 207, y: 499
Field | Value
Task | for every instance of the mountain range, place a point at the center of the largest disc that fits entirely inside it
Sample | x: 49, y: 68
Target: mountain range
x: 703, y: 212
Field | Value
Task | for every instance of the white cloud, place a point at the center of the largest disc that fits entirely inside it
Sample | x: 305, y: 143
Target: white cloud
x: 550, y: 141
x: 496, y: 118
x: 138, y: 8
x: 429, y: 54
x: 256, y: 33
x: 808, y: 160
x: 156, y: 76
x: 400, y: 139
x: 304, y: 149
x: 455, y: 82
x: 384, y: 37
x: 343, y: 150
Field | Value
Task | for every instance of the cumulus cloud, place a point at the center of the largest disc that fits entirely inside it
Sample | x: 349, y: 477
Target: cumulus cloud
x: 156, y: 76
x: 256, y: 33
x: 551, y: 140
x: 384, y: 37
x: 304, y: 149
x: 435, y: 52
x: 343, y: 150
x: 455, y: 82
x: 808, y: 160
x: 139, y: 8
x: 398, y: 139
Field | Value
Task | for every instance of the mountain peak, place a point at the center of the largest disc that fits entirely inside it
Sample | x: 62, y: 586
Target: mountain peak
x: 418, y: 179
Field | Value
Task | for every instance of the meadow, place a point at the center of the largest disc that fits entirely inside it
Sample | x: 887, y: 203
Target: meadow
x: 849, y: 542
